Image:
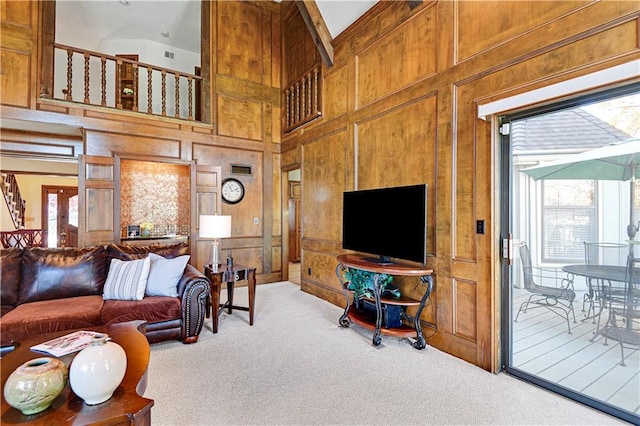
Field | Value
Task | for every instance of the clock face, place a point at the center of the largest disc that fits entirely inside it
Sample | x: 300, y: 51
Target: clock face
x: 232, y: 191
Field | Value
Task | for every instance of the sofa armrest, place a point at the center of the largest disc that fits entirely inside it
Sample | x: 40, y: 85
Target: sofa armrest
x: 193, y: 291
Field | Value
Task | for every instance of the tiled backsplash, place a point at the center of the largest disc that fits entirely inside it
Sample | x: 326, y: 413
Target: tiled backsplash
x: 155, y: 192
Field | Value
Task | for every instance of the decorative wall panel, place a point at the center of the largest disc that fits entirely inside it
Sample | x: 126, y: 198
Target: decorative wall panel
x: 240, y: 24
x: 383, y: 143
x: 154, y: 192
x: 103, y: 143
x: 99, y: 218
x: 398, y: 59
x: 324, y: 182
x: 15, y: 86
x: 508, y: 19
x: 336, y: 92
x: 240, y: 118
x: 465, y: 305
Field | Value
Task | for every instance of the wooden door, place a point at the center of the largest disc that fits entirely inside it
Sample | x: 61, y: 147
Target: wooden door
x: 99, y: 203
x: 60, y: 214
x: 206, y: 198
x: 295, y: 225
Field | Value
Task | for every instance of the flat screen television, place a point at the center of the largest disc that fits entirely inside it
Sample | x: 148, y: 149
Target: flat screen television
x: 386, y: 222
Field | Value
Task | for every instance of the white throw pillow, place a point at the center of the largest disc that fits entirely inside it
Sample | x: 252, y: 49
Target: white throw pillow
x: 126, y: 280
x: 165, y: 274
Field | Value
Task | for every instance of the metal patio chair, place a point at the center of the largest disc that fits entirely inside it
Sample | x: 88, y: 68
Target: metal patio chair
x: 623, y: 323
x: 558, y: 299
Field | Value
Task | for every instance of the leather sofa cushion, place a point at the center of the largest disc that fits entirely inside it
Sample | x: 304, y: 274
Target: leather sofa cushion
x: 47, y: 316
x: 58, y: 273
x: 151, y: 309
x: 124, y: 252
x: 11, y: 270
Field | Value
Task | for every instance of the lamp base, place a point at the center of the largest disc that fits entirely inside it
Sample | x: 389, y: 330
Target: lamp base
x: 215, y: 253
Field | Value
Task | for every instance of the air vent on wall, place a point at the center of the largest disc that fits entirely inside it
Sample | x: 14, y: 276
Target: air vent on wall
x: 168, y: 54
x: 238, y: 169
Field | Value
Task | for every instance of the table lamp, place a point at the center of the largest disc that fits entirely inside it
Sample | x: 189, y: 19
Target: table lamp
x: 216, y: 227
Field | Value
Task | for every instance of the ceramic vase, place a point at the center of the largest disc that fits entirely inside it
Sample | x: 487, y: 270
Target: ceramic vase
x: 33, y: 386
x: 98, y: 370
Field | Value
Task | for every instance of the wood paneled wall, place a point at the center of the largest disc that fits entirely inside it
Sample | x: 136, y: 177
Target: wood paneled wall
x: 401, y: 108
x: 242, y: 61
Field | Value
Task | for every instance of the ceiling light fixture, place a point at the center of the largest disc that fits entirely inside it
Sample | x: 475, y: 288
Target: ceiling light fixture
x: 125, y: 2
x: 164, y: 33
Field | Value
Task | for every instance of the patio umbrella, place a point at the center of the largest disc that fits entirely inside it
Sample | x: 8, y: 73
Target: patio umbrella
x: 616, y: 161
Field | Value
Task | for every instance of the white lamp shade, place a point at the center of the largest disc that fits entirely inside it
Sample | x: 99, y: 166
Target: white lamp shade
x: 215, y: 226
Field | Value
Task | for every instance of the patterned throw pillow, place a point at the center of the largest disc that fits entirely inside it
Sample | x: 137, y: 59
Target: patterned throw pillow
x: 127, y: 280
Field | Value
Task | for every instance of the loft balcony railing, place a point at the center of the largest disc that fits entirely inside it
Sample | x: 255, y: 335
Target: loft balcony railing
x: 302, y: 100
x: 97, y: 79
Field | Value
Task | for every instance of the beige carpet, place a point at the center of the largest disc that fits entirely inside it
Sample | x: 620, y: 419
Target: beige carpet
x: 296, y: 365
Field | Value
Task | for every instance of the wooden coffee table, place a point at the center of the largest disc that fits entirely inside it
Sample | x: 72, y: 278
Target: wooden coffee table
x: 126, y: 406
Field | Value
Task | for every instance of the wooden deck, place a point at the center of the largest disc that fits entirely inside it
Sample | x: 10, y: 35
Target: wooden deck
x: 542, y: 346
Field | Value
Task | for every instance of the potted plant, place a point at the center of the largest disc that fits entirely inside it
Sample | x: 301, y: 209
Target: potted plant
x: 362, y: 283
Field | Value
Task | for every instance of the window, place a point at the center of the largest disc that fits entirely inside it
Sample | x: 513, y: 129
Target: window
x: 568, y: 219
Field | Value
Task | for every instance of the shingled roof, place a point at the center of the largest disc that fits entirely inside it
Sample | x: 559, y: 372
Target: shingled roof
x: 567, y: 130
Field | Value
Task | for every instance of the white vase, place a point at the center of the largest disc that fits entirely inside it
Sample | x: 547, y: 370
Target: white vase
x: 98, y: 370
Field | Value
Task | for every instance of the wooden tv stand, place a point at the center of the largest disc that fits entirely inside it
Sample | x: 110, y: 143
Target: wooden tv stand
x: 357, y: 262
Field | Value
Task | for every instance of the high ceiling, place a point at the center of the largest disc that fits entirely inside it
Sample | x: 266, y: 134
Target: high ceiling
x: 94, y: 21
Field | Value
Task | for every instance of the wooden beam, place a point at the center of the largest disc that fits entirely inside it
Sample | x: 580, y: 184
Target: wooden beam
x: 414, y: 3
x: 318, y: 29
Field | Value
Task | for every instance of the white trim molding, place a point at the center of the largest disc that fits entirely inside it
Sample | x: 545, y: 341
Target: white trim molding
x: 575, y: 85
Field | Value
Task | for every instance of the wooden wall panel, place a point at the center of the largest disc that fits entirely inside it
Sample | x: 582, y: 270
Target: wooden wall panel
x: 324, y: 182
x: 407, y: 84
x: 240, y: 118
x: 251, y: 205
x: 276, y: 197
x: 299, y: 48
x: 17, y: 53
x: 239, y: 40
x: 101, y: 143
x: 12, y: 65
x: 17, y: 14
x: 465, y: 309
x: 400, y: 58
x: 319, y: 268
x: 22, y: 143
x: 509, y: 19
x: 383, y: 142
x: 336, y: 92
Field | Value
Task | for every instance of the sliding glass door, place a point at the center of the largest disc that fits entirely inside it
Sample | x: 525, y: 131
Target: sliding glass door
x: 563, y: 220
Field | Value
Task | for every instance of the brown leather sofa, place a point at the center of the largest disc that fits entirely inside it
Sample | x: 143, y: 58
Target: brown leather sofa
x: 45, y: 290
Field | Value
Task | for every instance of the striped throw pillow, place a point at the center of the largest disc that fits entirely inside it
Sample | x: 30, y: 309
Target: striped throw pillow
x: 126, y: 280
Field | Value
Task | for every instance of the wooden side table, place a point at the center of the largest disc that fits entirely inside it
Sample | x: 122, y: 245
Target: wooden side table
x: 230, y: 276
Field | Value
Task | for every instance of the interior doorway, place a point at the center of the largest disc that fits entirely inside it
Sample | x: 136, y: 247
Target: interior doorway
x: 60, y: 215
x: 292, y: 224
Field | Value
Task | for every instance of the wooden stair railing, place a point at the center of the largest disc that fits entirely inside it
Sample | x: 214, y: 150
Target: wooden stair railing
x: 302, y: 99
x: 22, y: 238
x: 101, y: 74
x: 16, y: 204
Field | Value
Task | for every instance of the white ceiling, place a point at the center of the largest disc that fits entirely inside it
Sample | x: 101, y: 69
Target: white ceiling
x: 339, y: 14
x: 85, y: 23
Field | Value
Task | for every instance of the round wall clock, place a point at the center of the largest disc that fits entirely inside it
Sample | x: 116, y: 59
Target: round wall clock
x: 232, y: 191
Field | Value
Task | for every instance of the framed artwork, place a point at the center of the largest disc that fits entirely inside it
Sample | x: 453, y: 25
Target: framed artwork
x: 133, y: 231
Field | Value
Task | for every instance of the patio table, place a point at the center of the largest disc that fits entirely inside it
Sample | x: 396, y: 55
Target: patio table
x: 600, y: 273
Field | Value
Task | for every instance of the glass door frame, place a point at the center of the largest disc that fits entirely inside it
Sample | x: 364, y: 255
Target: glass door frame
x: 506, y: 203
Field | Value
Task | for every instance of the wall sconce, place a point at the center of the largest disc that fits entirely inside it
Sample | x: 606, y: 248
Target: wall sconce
x: 216, y: 227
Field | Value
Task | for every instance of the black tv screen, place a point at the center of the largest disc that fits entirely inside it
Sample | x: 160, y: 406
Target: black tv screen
x: 386, y: 222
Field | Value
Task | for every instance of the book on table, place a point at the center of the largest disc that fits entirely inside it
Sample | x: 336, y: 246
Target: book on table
x: 67, y: 344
